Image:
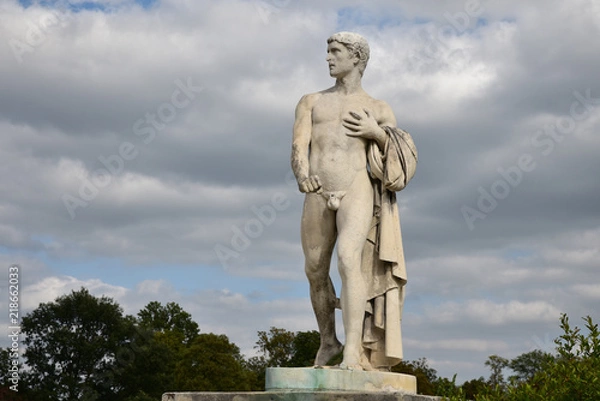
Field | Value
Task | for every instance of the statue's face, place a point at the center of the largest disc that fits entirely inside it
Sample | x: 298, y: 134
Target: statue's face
x: 340, y: 60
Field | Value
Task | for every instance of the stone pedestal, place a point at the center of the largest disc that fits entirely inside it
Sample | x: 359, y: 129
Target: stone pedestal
x: 297, y: 396
x: 309, y: 384
x: 311, y: 379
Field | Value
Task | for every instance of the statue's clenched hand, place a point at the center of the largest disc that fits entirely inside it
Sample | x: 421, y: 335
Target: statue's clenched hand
x: 310, y: 184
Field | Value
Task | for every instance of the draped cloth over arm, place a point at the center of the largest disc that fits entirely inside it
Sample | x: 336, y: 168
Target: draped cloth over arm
x: 383, y: 256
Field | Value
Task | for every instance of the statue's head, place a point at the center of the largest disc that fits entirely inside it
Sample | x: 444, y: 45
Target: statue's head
x: 355, y: 44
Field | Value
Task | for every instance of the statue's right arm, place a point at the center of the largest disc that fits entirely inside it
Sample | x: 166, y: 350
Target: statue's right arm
x: 301, y: 146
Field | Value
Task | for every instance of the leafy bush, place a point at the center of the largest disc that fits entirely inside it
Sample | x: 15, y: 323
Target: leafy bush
x: 574, y: 374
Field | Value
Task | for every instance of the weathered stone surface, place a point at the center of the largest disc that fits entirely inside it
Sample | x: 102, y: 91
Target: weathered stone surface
x: 297, y: 396
x: 311, y: 379
x: 350, y: 159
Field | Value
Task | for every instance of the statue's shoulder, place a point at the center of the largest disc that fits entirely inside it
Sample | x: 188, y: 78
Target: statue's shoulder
x: 312, y: 98
x: 381, y: 105
x: 308, y: 101
x: 382, y: 108
x: 374, y: 103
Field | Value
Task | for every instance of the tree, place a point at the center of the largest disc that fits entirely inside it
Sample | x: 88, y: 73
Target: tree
x: 474, y: 387
x: 11, y: 386
x: 212, y: 363
x: 283, y: 348
x: 304, y: 348
x: 496, y: 364
x: 71, y: 345
x: 169, y: 318
x: 257, y: 367
x: 528, y: 364
x: 162, y: 336
x: 277, y: 346
x: 141, y: 395
x: 426, y: 376
x: 146, y: 364
x: 6, y: 394
x: 163, y: 332
x: 571, y: 375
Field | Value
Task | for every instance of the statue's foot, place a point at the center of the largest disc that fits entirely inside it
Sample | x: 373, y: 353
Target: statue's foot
x: 361, y: 363
x: 326, y: 352
x: 345, y: 366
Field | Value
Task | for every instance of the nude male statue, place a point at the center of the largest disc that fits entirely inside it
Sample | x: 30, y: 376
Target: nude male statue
x: 332, y: 133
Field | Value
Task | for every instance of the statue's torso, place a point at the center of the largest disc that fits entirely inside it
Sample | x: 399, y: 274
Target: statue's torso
x: 334, y: 156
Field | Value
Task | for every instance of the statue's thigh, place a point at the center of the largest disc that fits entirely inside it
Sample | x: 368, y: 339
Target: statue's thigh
x: 354, y: 219
x: 318, y: 226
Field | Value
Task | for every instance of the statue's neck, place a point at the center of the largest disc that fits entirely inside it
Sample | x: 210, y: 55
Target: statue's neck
x: 349, y: 84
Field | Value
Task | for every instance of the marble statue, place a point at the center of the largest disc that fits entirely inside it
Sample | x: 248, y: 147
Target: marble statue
x: 350, y: 159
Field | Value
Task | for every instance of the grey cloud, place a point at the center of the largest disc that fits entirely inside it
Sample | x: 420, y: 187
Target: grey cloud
x: 79, y: 94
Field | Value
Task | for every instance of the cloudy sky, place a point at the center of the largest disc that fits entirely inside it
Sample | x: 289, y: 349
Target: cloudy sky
x: 140, y: 139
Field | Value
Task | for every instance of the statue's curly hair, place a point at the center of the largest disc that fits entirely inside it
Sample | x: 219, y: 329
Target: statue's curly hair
x: 356, y: 44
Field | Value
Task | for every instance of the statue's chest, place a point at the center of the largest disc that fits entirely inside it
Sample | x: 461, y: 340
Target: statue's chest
x: 334, y: 110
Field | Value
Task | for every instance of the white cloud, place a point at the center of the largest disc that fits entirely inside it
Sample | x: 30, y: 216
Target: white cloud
x: 485, y: 312
x: 464, y: 344
x: 50, y: 288
x: 591, y: 291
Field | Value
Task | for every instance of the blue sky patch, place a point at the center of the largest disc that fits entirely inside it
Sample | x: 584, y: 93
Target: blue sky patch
x: 349, y: 17
x: 86, y: 5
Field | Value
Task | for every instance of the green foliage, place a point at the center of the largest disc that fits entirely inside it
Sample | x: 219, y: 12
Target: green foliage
x: 574, y: 374
x: 279, y: 347
x: 6, y: 394
x: 70, y: 345
x: 141, y: 396
x: 145, y: 365
x: 169, y: 318
x: 426, y: 376
x: 8, y: 383
x: 276, y: 348
x: 162, y: 335
x: 448, y: 389
x: 496, y: 364
x: 6, y: 361
x: 82, y: 347
x: 212, y: 363
x: 305, y: 347
x: 473, y: 387
x: 527, y: 365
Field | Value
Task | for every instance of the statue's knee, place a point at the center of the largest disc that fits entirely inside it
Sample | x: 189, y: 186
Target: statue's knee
x: 348, y: 261
x: 313, y: 272
x: 348, y: 255
x: 316, y: 273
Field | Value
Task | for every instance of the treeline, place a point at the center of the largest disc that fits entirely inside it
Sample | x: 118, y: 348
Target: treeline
x: 82, y: 347
x: 570, y: 374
